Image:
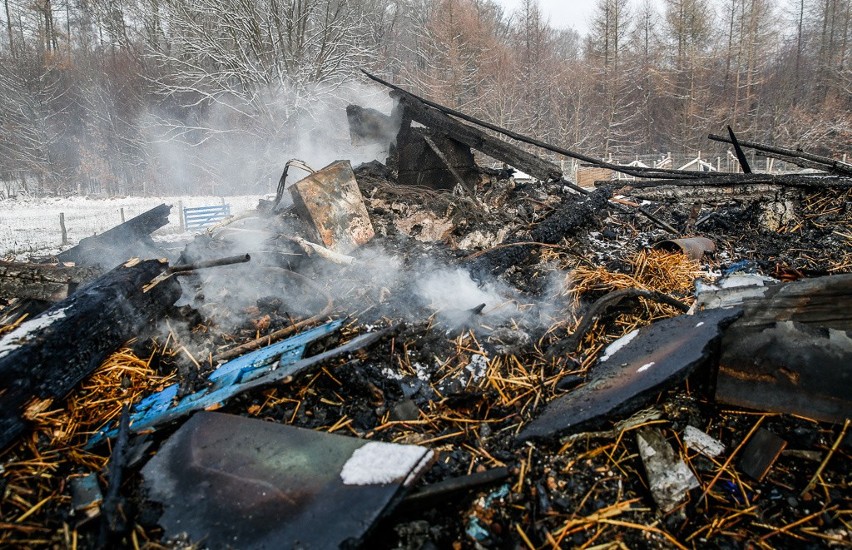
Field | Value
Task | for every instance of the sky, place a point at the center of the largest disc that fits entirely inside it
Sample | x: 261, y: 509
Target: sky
x: 562, y: 13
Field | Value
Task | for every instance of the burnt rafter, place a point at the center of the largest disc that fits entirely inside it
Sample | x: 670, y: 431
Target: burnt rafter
x: 629, y: 170
x: 794, y: 156
x: 476, y: 139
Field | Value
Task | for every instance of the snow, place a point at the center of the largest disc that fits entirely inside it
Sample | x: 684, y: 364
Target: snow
x: 477, y: 367
x: 20, y: 335
x: 380, y: 463
x: 618, y: 344
x: 32, y: 224
x: 645, y: 367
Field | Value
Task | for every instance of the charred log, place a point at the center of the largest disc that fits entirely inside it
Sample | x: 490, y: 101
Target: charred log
x: 49, y: 283
x: 122, y: 242
x: 563, y: 222
x: 45, y: 357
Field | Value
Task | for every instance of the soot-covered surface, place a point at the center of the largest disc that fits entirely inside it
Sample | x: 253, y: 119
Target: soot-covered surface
x: 463, y: 379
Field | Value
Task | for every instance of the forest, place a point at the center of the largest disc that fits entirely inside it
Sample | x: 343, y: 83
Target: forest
x: 120, y: 97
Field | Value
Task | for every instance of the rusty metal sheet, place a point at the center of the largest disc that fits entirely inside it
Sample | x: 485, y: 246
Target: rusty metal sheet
x: 330, y: 201
x: 656, y: 358
x: 693, y: 248
x: 234, y: 482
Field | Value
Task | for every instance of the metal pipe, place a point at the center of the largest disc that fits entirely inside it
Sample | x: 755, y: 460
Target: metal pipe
x: 230, y: 260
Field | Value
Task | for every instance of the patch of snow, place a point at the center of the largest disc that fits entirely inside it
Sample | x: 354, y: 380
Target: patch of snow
x: 422, y: 372
x: 477, y: 367
x: 699, y: 324
x: 380, y: 463
x: 19, y: 336
x: 645, y: 367
x: 618, y: 344
x: 392, y: 374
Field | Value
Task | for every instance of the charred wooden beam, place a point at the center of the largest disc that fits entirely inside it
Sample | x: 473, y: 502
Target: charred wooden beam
x: 708, y: 194
x: 806, y: 181
x: 790, y: 351
x: 122, y: 242
x: 477, y: 139
x: 47, y: 282
x: 429, y: 158
x: 45, y: 357
x: 739, y: 151
x: 630, y: 170
x: 440, y: 154
x: 795, y: 156
x: 370, y: 126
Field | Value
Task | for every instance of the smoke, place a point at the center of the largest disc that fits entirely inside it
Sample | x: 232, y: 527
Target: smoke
x: 241, y: 147
x: 454, y: 295
x: 225, y: 152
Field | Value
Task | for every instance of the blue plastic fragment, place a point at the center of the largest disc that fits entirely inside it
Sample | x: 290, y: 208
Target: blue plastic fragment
x: 268, y: 364
x: 742, y: 265
x: 474, y: 527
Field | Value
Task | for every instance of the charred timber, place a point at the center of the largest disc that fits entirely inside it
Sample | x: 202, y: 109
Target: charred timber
x: 45, y: 357
x: 790, y: 351
x: 632, y: 170
x: 230, y: 260
x: 739, y: 151
x: 370, y: 126
x: 795, y: 156
x: 46, y: 282
x: 785, y: 180
x: 477, y: 139
x: 127, y: 240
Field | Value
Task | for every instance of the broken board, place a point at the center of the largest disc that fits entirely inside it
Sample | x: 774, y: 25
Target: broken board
x: 234, y: 482
x: 790, y: 352
x: 653, y: 359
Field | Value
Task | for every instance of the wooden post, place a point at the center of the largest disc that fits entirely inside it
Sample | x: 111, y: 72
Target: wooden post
x: 180, y: 216
x: 62, y: 227
x: 122, y: 214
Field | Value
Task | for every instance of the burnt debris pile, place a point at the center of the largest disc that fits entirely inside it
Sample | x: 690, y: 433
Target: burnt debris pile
x: 429, y: 353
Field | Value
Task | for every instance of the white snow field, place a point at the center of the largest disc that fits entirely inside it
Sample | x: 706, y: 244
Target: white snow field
x: 31, y: 225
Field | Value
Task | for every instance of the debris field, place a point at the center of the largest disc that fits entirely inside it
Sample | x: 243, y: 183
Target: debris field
x: 429, y: 353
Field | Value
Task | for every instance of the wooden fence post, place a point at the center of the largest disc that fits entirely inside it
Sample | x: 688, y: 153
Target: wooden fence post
x: 122, y: 214
x: 62, y: 227
x: 180, y: 216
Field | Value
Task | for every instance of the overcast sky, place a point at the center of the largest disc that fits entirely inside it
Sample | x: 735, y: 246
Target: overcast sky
x: 563, y: 13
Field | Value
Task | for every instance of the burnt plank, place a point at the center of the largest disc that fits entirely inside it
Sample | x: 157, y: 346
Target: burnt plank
x: 46, y: 356
x: 633, y: 371
x: 477, y: 139
x: 760, y: 453
x: 122, y: 242
x: 790, y: 351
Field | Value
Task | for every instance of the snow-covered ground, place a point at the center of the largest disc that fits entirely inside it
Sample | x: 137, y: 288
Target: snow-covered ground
x: 31, y: 226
